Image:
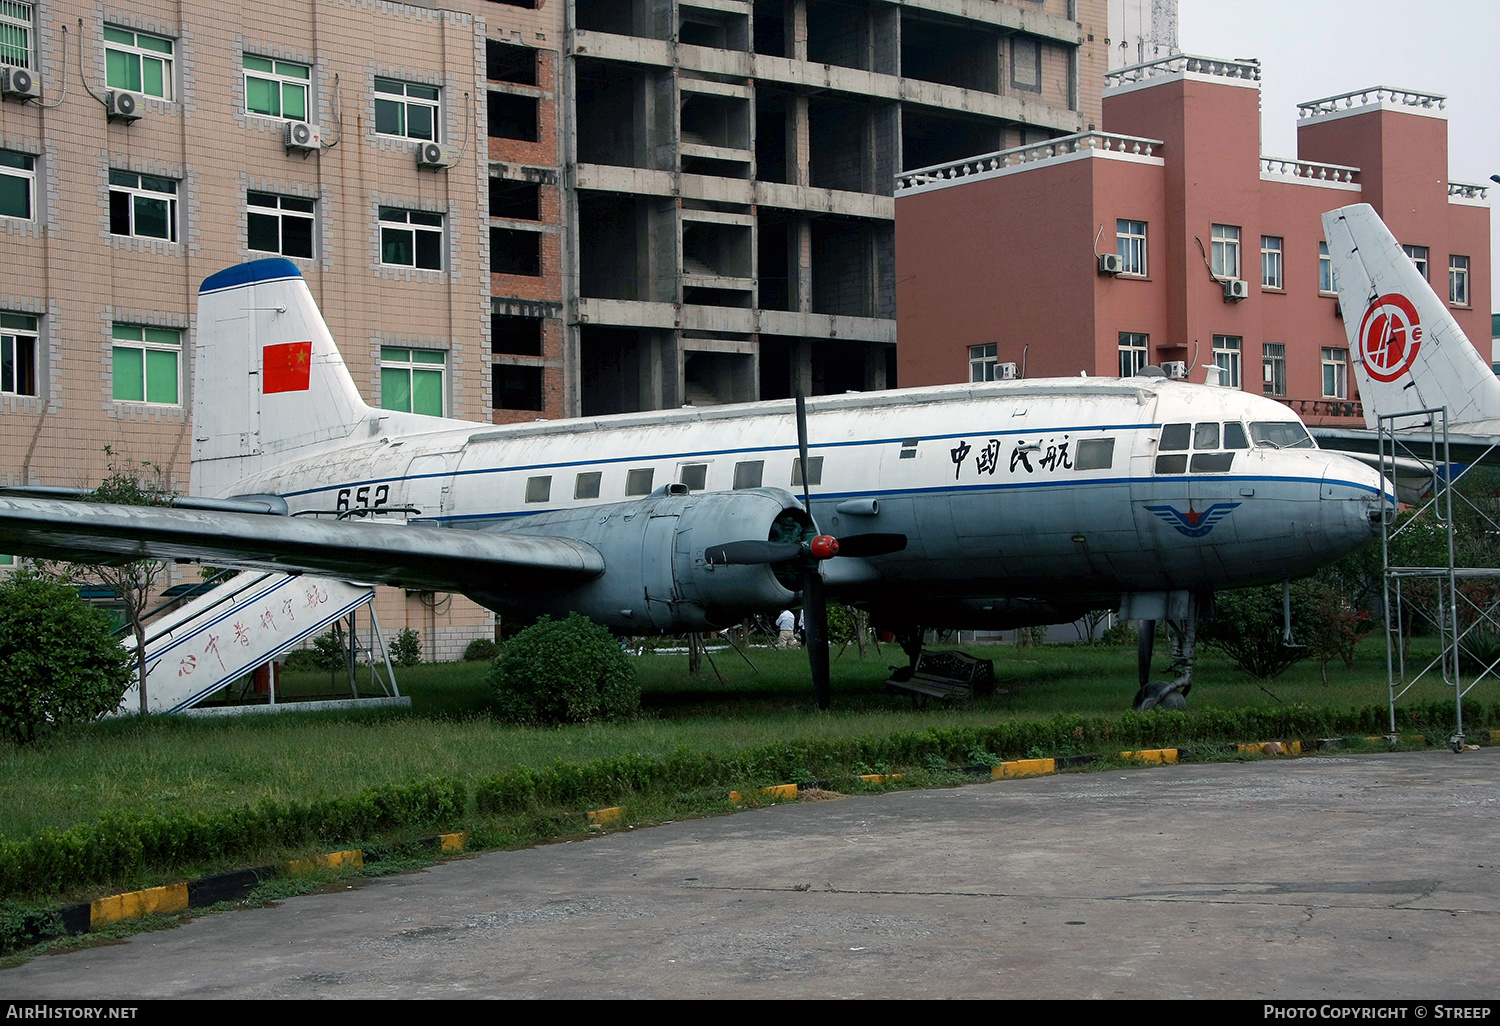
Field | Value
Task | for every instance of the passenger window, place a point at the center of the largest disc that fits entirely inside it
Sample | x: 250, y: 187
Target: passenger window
x: 1095, y: 454
x: 586, y: 486
x: 748, y: 474
x: 538, y: 489
x: 638, y: 481
x: 1205, y: 436
x: 814, y: 471
x: 909, y: 449
x: 1234, y: 436
x: 1211, y: 462
x: 1174, y: 437
x: 1172, y: 464
x: 694, y: 475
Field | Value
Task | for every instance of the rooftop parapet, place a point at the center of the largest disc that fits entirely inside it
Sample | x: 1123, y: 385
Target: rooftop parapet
x: 1468, y: 190
x: 985, y: 163
x: 1179, y: 62
x: 1307, y: 169
x: 1372, y: 95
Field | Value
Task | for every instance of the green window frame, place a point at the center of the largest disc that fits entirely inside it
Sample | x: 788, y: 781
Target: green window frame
x: 276, y: 89
x: 406, y: 109
x: 138, y: 62
x: 147, y: 364
x: 411, y: 380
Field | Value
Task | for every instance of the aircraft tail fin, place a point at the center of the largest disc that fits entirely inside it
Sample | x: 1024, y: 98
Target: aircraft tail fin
x: 1408, y: 351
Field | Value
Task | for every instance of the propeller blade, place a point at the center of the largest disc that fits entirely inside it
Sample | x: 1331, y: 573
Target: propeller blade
x: 802, y: 448
x: 871, y: 544
x: 815, y: 624
x: 750, y: 552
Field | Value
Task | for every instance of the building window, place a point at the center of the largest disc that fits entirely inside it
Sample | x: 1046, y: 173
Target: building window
x: 1270, y: 262
x: 15, y: 33
x: 137, y: 62
x: 142, y: 206
x: 406, y: 109
x: 1274, y: 354
x: 1226, y: 251
x: 1335, y: 373
x: 279, y: 224
x: 982, y: 363
x: 411, y: 238
x: 515, y: 252
x: 17, y: 184
x: 1130, y: 243
x: 1026, y: 63
x: 512, y: 117
x: 1227, y: 359
x: 411, y: 380
x: 1133, y: 352
x: 1326, y: 282
x: 146, y: 364
x: 18, y: 344
x: 276, y: 89
x: 1458, y: 280
x: 1418, y: 256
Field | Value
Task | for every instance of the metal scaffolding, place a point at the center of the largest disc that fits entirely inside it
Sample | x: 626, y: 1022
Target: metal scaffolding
x: 1458, y: 593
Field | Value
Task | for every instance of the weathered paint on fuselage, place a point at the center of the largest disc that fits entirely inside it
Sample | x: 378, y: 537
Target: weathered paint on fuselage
x: 984, y: 480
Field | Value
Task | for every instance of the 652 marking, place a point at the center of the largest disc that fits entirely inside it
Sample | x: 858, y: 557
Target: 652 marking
x: 361, y: 497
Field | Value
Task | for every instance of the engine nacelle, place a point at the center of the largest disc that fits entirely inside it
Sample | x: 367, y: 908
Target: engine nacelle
x: 656, y: 580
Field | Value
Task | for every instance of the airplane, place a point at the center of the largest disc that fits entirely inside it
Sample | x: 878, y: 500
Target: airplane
x: 1409, y: 354
x: 998, y: 504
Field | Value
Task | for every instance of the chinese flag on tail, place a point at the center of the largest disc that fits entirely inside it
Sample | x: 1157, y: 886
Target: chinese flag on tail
x: 288, y: 367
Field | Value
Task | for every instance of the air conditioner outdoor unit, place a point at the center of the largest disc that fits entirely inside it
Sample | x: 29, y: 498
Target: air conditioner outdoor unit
x: 1111, y: 263
x: 122, y: 105
x: 1007, y: 372
x: 1175, y: 369
x: 302, y: 136
x: 20, y: 83
x: 1236, y: 289
x: 431, y: 155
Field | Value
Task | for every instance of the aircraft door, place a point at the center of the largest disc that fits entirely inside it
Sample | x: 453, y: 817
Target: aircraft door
x: 657, y: 552
x: 429, y: 482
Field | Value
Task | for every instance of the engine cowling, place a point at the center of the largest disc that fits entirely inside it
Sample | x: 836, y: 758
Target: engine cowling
x: 656, y: 579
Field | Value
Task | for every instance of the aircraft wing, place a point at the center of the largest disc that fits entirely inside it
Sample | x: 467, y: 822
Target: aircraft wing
x: 418, y: 558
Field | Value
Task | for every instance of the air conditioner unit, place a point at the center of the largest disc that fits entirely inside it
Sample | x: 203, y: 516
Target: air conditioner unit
x: 1236, y: 289
x: 20, y: 83
x: 1007, y: 372
x: 1111, y: 263
x: 302, y: 136
x: 431, y: 155
x: 122, y: 105
x: 1175, y: 369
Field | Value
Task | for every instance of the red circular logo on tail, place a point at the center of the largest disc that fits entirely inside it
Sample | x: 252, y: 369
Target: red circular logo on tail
x: 1389, y: 337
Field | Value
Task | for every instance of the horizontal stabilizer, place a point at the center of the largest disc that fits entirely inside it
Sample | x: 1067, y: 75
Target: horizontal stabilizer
x: 417, y: 558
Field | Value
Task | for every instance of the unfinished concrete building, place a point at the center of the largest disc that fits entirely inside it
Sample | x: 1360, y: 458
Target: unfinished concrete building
x: 729, y: 170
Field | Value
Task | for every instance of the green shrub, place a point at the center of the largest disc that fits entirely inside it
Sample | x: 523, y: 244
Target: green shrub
x: 1248, y: 625
x: 59, y: 662
x: 480, y: 650
x: 565, y: 671
x: 406, y: 648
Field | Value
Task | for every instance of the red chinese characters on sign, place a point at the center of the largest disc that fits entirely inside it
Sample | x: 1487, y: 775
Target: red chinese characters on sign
x: 1389, y: 337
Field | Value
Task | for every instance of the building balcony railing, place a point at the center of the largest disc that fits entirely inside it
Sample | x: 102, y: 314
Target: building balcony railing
x: 1307, y: 169
x: 1324, y: 407
x: 1468, y: 190
x: 987, y: 162
x: 1374, y: 94
x: 1180, y: 62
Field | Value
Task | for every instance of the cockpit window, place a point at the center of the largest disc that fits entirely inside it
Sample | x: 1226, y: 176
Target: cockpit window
x: 1234, y: 436
x: 1280, y: 434
x: 1205, y: 436
x: 1174, y: 437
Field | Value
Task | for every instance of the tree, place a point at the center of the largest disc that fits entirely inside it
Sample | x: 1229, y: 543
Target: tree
x: 59, y: 660
x: 125, y: 484
x: 565, y: 671
x: 1248, y: 625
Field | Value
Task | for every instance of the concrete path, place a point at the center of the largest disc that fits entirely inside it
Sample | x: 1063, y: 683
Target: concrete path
x: 1370, y: 877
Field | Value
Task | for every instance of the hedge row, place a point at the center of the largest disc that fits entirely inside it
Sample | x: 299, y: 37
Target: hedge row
x: 118, y: 845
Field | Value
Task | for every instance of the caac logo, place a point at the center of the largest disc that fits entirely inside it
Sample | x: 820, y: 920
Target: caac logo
x: 1193, y: 523
x: 1389, y: 337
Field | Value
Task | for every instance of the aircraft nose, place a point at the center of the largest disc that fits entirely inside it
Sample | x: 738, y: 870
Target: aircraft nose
x: 1367, y: 498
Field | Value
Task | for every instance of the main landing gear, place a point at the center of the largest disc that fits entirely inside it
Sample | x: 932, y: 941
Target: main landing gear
x: 1183, y: 635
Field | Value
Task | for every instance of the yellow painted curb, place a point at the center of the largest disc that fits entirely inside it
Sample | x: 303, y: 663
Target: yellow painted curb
x: 1153, y: 756
x: 333, y: 860
x: 172, y: 898
x: 606, y: 817
x: 774, y: 791
x: 879, y: 778
x: 1495, y: 737
x: 452, y: 842
x: 1259, y: 748
x: 1023, y: 768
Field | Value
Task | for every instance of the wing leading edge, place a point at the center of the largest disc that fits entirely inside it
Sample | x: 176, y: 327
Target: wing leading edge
x: 418, y: 558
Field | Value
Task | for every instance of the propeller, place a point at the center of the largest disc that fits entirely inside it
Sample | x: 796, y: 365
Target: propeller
x: 814, y: 605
